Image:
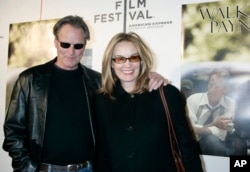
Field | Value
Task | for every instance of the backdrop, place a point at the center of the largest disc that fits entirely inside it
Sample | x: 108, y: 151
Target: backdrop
x: 26, y: 39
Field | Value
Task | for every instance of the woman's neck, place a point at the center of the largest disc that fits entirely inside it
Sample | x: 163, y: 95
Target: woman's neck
x: 128, y: 86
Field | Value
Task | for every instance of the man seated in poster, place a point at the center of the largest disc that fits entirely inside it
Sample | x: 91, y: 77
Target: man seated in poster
x: 211, y: 115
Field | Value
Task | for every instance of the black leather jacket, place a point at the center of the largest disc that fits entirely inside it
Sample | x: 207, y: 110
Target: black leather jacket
x: 24, y: 125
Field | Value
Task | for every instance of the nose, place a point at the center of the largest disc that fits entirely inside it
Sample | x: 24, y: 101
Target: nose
x: 71, y: 49
x: 127, y: 63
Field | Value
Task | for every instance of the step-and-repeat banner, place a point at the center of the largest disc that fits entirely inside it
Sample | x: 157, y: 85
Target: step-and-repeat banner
x: 191, y: 41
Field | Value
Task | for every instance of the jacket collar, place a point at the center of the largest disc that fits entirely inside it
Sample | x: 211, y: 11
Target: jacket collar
x: 118, y: 89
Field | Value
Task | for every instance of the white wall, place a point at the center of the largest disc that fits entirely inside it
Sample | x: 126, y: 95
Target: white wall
x: 16, y: 11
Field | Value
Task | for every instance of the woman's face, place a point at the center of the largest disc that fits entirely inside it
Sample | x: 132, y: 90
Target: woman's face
x: 127, y: 72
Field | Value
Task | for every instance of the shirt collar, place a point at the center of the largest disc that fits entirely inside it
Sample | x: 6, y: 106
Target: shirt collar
x: 204, y: 101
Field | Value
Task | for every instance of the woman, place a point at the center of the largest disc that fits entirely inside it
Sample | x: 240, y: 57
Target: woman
x: 132, y: 131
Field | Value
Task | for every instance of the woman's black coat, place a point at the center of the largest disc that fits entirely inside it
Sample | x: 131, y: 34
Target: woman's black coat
x: 132, y: 133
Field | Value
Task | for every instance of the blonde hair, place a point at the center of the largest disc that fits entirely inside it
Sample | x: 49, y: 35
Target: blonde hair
x: 108, y: 76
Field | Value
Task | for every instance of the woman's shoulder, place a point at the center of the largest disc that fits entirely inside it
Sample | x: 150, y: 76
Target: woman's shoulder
x: 172, y: 88
x: 172, y: 92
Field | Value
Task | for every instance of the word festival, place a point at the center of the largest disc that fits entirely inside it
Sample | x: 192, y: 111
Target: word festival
x: 228, y: 19
x: 136, y: 10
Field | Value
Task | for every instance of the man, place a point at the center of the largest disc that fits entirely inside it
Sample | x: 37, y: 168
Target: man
x: 211, y: 115
x: 49, y: 125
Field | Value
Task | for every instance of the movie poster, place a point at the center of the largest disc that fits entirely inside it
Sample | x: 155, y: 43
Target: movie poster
x: 215, y: 76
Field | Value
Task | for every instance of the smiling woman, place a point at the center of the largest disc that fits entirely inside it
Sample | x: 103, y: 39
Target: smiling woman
x: 125, y: 108
x: 130, y: 65
x: 126, y: 64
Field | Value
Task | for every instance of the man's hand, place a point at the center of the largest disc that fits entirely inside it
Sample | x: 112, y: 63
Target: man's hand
x: 156, y: 80
x: 222, y: 122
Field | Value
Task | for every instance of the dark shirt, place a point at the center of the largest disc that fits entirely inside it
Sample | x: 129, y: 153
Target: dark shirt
x: 68, y: 138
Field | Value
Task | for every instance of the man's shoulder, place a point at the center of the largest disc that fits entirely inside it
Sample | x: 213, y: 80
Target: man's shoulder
x: 197, y: 99
x: 90, y: 71
x: 38, y: 70
x: 92, y: 77
x: 35, y: 69
x: 196, y: 95
x: 229, y: 101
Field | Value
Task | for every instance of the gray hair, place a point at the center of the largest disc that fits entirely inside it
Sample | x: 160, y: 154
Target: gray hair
x: 74, y: 21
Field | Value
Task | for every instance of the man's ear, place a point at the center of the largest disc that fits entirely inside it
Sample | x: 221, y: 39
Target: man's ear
x: 55, y: 42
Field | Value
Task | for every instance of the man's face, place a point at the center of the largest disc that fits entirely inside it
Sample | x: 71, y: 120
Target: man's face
x: 69, y: 56
x: 216, y: 89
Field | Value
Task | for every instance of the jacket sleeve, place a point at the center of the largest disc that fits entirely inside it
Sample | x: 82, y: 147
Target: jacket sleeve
x: 15, y: 129
x: 184, y: 133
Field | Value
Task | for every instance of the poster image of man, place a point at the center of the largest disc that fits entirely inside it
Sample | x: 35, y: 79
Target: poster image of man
x: 215, y: 75
x: 213, y: 109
